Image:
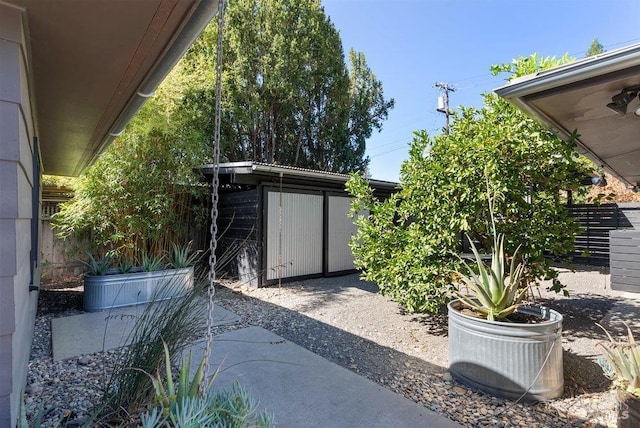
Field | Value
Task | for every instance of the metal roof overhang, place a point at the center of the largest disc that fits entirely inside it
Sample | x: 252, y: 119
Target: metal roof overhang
x: 93, y: 63
x: 574, y: 97
x: 253, y: 173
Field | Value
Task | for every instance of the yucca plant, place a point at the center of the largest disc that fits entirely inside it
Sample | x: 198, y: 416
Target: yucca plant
x: 622, y: 362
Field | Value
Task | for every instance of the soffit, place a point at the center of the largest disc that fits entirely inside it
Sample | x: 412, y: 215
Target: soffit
x: 89, y: 59
x: 574, y: 97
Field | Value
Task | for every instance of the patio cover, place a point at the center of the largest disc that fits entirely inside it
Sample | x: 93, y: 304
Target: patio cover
x: 575, y: 97
x: 93, y: 63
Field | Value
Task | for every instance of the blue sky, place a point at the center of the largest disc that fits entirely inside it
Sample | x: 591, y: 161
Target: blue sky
x: 411, y: 44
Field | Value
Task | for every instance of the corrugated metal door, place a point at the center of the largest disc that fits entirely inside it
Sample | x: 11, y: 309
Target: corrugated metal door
x: 301, y: 234
x: 341, y: 228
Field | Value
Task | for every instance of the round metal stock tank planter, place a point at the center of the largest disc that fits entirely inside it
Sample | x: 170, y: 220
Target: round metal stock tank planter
x: 508, y: 360
x: 118, y: 290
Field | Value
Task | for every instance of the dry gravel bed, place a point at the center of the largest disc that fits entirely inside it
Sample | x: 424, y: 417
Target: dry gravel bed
x: 346, y: 321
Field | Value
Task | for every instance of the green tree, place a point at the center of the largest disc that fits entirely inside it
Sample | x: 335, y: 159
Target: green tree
x: 595, y: 48
x: 289, y: 97
x: 138, y: 195
x: 409, y: 244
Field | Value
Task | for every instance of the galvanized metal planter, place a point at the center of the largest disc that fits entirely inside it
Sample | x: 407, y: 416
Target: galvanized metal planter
x: 508, y: 360
x: 118, y: 290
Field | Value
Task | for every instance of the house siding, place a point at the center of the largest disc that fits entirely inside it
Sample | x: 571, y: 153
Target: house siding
x: 17, y: 302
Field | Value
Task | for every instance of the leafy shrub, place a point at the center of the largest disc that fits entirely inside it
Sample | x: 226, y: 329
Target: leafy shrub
x: 409, y: 244
x: 138, y: 196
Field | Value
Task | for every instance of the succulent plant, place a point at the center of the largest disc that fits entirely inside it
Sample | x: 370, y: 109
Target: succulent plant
x: 494, y: 292
x: 622, y: 362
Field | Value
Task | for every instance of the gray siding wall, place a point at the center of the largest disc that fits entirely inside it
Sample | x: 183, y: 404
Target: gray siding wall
x: 17, y: 302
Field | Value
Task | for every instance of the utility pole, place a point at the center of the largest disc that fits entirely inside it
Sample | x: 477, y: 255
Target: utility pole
x: 443, y: 102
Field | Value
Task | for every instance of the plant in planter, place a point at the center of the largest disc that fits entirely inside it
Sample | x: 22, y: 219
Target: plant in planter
x: 496, y: 295
x: 621, y: 364
x: 129, y: 285
x: 496, y: 344
x: 97, y: 266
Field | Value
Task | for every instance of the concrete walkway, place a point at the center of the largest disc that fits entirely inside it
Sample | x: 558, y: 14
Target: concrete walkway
x: 296, y: 386
x: 100, y: 331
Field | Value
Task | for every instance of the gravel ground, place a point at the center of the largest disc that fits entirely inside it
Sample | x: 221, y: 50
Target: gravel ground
x: 345, y: 321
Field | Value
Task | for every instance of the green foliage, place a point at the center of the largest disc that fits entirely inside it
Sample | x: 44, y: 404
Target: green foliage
x: 99, y: 266
x: 289, y: 98
x: 152, y: 263
x: 409, y: 244
x: 181, y: 257
x: 138, y: 195
x: 187, y: 404
x: 229, y: 409
x: 170, y: 323
x: 622, y: 362
x: 169, y: 397
x: 125, y: 263
x: 595, y: 48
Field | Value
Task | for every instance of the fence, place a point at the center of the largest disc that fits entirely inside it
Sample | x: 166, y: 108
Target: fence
x: 592, y: 245
x: 56, y: 255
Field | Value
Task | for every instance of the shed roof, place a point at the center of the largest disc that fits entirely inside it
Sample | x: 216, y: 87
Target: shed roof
x: 254, y: 173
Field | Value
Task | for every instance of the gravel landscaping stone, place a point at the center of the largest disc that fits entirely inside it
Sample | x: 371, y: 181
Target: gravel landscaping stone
x: 347, y: 322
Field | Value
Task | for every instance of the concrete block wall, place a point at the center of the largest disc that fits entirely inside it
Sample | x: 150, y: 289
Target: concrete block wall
x: 17, y: 279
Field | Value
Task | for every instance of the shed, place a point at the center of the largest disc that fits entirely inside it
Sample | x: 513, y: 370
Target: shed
x: 279, y: 223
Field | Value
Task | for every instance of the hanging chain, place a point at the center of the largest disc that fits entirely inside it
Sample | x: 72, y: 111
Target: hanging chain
x: 214, y: 194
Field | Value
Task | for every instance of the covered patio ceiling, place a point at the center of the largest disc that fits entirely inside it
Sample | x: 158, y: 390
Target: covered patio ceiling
x: 575, y: 97
x: 93, y: 64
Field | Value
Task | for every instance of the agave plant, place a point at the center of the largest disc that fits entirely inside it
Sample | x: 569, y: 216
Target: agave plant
x: 181, y: 257
x: 99, y: 266
x: 152, y: 263
x: 494, y: 293
x: 170, y: 396
x: 622, y: 362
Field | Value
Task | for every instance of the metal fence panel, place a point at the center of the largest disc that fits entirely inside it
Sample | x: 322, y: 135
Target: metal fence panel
x: 340, y: 230
x: 294, y: 245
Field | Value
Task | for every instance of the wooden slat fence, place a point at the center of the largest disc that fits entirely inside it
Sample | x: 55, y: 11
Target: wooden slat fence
x: 592, y: 245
